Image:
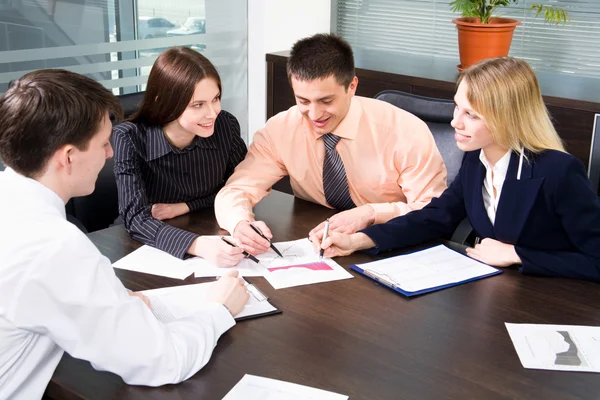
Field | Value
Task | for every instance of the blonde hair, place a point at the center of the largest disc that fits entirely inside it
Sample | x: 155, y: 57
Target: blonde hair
x: 506, y: 92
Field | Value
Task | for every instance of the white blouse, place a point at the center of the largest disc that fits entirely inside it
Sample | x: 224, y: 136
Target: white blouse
x: 58, y: 293
x: 494, y: 179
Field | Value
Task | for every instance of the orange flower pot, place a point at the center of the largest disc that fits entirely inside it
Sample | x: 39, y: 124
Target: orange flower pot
x: 477, y: 41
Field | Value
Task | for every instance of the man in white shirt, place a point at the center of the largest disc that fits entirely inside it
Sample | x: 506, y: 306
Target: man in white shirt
x: 57, y: 292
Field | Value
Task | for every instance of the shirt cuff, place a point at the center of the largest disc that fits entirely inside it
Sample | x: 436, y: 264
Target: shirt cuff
x: 221, y: 317
x: 232, y: 222
x: 174, y: 241
x: 384, y: 212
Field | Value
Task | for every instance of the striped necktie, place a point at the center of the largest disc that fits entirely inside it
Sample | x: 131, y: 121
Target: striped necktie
x: 335, y: 183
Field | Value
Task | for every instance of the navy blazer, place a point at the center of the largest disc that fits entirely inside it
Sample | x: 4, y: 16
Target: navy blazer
x: 551, y: 215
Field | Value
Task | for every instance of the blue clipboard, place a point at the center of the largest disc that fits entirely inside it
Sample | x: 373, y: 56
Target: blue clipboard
x: 390, y: 284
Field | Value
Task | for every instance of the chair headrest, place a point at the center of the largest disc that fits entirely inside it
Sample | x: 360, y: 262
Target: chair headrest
x: 428, y: 109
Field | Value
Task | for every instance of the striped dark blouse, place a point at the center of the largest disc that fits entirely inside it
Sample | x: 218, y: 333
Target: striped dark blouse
x: 149, y: 170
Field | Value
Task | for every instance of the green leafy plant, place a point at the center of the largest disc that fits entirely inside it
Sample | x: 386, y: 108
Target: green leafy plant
x: 484, y: 9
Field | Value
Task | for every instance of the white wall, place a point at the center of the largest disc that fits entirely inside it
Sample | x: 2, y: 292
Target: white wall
x: 274, y: 25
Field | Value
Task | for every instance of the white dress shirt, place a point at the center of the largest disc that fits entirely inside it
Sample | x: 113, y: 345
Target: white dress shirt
x: 494, y: 179
x: 58, y: 293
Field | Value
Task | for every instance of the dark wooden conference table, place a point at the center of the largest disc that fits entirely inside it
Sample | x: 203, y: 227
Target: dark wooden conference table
x: 361, y: 339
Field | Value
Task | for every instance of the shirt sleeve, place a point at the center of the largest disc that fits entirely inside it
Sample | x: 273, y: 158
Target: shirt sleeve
x: 437, y: 220
x: 235, y: 152
x: 579, y: 210
x: 133, y: 202
x: 422, y: 175
x: 250, y: 183
x: 73, y: 296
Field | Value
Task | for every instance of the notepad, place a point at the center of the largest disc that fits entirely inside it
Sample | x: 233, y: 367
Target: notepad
x: 426, y: 270
x: 175, y: 302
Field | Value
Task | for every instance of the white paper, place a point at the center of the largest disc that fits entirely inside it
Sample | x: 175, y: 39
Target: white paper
x: 252, y: 387
x: 557, y: 347
x: 204, y: 268
x: 296, y: 254
x: 150, y: 260
x: 176, y: 302
x: 428, y: 268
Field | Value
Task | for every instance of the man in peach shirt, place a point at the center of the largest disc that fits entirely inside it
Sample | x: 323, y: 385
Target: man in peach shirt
x: 361, y: 155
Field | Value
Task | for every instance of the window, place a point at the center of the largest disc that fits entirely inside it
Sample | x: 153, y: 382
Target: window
x: 117, y: 41
x: 425, y: 27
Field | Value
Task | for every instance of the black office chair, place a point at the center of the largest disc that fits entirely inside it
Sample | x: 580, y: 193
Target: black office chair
x: 131, y: 102
x: 437, y: 114
x: 100, y: 209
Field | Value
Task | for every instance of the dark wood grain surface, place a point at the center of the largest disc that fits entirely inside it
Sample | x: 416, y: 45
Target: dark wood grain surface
x: 360, y: 339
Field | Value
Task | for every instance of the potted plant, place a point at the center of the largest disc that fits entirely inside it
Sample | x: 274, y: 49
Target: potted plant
x: 481, y: 35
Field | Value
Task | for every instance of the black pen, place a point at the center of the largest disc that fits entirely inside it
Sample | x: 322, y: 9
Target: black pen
x: 255, y: 229
x: 250, y: 256
x: 325, y: 232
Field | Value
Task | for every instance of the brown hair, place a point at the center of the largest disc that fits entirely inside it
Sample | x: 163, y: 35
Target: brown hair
x: 321, y: 56
x: 506, y: 92
x: 47, y: 109
x: 171, y: 85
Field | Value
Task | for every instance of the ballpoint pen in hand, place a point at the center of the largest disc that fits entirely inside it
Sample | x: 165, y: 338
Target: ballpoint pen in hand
x: 255, y: 229
x: 250, y: 256
x: 325, y: 232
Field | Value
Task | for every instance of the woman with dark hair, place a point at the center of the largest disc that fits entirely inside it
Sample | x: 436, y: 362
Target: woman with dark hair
x: 174, y: 155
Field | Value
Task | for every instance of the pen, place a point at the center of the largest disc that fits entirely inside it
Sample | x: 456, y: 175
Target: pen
x: 323, y: 240
x: 477, y: 240
x: 250, y: 256
x: 255, y: 229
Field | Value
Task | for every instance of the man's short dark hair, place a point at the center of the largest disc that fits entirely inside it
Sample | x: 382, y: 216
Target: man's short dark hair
x: 47, y: 109
x: 321, y: 56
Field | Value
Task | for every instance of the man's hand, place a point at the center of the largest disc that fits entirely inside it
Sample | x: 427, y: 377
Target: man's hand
x: 494, y: 253
x: 230, y: 291
x: 349, y: 221
x: 143, y: 297
x: 253, y: 243
x: 341, y: 244
x: 168, y: 211
x: 217, y: 251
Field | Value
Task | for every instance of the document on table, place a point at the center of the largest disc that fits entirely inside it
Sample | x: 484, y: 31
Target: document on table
x: 557, y: 347
x: 204, y: 268
x: 426, y: 270
x: 150, y: 260
x: 300, y: 265
x: 252, y: 387
x: 171, y: 303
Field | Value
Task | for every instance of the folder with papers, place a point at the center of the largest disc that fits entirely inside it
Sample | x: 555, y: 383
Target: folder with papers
x: 425, y: 271
x: 171, y: 303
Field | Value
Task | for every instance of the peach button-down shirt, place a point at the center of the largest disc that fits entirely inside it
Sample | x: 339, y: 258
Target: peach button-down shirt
x: 390, y: 157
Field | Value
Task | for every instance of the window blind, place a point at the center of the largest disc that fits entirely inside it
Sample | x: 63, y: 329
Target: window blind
x: 425, y: 27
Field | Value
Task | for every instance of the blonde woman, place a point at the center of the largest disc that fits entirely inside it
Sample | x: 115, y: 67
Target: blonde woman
x: 529, y: 201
